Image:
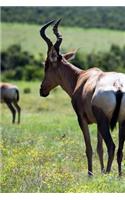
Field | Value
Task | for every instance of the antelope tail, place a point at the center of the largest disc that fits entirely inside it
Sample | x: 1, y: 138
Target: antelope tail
x: 18, y: 96
x: 115, y: 115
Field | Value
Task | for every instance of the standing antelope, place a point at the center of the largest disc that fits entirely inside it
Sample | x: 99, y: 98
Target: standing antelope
x: 97, y: 97
x: 9, y: 94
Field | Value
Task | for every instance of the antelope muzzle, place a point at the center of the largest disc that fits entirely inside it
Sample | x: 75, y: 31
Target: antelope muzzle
x: 43, y: 92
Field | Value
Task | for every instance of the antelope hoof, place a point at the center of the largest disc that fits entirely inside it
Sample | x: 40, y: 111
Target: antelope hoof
x: 90, y: 174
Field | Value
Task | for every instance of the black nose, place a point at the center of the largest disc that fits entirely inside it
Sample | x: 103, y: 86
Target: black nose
x: 43, y: 93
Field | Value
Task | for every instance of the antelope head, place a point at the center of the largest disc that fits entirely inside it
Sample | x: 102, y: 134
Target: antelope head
x: 54, y: 59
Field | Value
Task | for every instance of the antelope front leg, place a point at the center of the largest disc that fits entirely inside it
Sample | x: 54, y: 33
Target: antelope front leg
x: 84, y: 127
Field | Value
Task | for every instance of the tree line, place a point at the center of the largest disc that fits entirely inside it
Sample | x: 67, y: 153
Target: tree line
x: 17, y: 64
x: 85, y: 17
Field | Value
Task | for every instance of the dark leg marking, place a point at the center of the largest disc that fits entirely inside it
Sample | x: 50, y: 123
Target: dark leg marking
x: 13, y: 111
x: 103, y: 127
x: 121, y: 144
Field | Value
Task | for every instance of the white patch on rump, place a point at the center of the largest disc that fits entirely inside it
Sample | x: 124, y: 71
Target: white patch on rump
x: 105, y: 93
x: 105, y: 100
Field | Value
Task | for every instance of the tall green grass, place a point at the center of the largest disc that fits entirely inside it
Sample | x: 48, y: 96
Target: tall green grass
x: 46, y: 152
x: 87, y: 40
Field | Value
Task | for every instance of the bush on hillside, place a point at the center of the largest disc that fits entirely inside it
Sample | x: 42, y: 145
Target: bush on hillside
x: 19, y: 65
x: 14, y: 57
x: 114, y: 60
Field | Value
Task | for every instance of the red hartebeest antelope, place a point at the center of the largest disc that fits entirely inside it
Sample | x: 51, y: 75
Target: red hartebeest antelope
x: 97, y: 97
x: 9, y: 94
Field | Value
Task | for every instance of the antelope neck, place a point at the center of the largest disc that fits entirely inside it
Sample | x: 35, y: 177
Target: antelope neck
x: 68, y: 76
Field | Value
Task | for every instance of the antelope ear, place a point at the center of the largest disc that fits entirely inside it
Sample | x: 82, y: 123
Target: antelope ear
x: 53, y: 56
x: 70, y: 56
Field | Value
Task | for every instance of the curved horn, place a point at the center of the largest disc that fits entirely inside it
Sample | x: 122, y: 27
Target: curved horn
x: 58, y: 35
x: 42, y: 33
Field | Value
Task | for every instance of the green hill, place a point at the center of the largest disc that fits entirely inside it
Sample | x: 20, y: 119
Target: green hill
x: 85, y: 17
x: 88, y: 40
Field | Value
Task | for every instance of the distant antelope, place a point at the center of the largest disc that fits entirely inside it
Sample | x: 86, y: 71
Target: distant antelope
x: 97, y: 97
x: 9, y: 94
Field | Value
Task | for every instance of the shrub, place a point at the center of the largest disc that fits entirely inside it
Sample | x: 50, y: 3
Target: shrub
x: 32, y: 73
x: 20, y: 65
x: 27, y: 90
x: 114, y: 60
x: 19, y: 74
x: 14, y: 57
x: 8, y: 75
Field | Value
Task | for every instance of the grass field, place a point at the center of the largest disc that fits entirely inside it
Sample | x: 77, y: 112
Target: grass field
x: 46, y: 152
x: 87, y: 40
